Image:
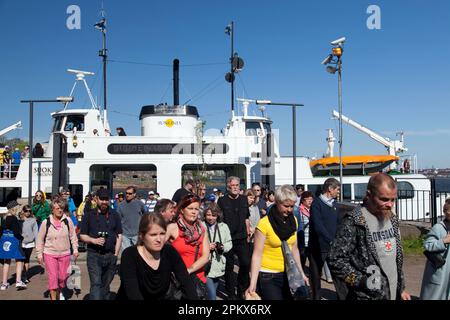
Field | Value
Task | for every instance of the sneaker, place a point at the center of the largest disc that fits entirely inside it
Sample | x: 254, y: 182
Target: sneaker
x: 20, y: 285
x: 26, y: 281
x: 61, y: 296
x: 4, y: 286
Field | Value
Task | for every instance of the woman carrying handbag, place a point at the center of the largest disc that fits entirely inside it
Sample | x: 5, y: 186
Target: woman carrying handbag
x: 436, y: 279
x: 269, y: 276
x: 188, y: 237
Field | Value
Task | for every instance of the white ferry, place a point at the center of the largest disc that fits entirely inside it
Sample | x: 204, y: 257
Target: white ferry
x: 82, y: 155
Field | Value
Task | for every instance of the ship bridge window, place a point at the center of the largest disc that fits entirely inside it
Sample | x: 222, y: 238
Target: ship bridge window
x: 74, y: 121
x: 254, y: 128
x: 57, y: 125
x: 405, y: 190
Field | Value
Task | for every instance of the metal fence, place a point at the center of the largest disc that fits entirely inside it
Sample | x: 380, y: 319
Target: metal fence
x: 420, y: 205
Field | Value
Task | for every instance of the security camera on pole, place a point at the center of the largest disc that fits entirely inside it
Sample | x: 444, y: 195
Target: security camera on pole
x: 334, y: 63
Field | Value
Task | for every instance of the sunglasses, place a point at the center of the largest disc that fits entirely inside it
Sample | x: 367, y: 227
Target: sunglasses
x: 129, y: 193
x: 27, y: 211
x: 192, y: 196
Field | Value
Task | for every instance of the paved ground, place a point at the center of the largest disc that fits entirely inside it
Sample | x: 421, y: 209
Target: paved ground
x: 414, y: 266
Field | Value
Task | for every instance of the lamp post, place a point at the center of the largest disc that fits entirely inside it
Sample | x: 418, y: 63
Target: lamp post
x: 334, y: 58
x: 30, y: 155
x: 294, y: 129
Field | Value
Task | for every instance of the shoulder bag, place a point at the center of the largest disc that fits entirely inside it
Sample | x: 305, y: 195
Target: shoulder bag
x: 299, y: 288
x: 436, y: 258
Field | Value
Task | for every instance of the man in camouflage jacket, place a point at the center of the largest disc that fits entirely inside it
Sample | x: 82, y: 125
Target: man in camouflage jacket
x: 353, y: 257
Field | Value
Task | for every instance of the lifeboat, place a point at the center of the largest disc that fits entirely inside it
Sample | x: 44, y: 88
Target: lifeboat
x: 351, y: 165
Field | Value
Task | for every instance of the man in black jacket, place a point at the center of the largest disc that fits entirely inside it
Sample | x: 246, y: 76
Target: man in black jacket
x: 236, y: 215
x: 322, y: 229
x: 367, y: 253
x: 101, y: 229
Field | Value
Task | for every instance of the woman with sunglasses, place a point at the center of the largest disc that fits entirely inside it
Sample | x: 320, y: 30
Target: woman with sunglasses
x: 40, y: 207
x: 29, y: 234
x: 187, y: 236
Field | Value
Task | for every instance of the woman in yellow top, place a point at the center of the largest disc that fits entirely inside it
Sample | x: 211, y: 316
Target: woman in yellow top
x: 267, y: 275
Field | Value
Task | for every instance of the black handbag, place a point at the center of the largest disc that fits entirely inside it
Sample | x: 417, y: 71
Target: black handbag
x: 436, y: 258
x: 174, y: 292
x: 199, y: 286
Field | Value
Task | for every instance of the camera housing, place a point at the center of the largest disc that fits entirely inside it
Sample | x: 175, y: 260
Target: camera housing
x: 219, y: 248
x: 338, y: 42
x: 102, y: 234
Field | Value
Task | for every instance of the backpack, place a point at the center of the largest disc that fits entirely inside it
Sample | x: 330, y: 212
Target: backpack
x: 68, y: 228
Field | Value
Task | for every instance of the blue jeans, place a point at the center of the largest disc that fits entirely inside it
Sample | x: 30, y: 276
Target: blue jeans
x: 211, y: 288
x: 101, y: 268
x: 128, y: 241
x: 273, y: 286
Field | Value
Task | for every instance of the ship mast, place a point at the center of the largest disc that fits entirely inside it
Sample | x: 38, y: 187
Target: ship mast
x: 103, y: 53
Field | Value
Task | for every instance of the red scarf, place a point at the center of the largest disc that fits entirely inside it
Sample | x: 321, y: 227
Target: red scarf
x: 192, y: 234
x: 304, y: 210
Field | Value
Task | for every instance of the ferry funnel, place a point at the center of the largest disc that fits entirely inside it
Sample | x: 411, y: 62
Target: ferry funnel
x: 176, y: 80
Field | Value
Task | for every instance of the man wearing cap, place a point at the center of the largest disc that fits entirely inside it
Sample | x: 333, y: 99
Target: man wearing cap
x: 151, y: 201
x: 130, y: 212
x: 119, y: 200
x: 183, y: 192
x: 101, y: 229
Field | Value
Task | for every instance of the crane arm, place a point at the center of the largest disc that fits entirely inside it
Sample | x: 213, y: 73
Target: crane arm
x: 393, y: 146
x: 11, y: 128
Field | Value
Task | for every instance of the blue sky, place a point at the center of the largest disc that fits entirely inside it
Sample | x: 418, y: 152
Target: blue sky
x: 394, y: 79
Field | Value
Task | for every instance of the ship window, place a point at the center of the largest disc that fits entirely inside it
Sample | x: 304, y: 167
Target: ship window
x: 360, y: 191
x: 405, y: 190
x: 74, y: 121
x: 316, y: 189
x: 254, y: 128
x: 57, y: 124
x: 250, y: 128
x: 347, y: 195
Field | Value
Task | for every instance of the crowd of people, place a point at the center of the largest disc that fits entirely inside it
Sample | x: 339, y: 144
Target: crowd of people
x: 185, y: 247
x: 11, y: 158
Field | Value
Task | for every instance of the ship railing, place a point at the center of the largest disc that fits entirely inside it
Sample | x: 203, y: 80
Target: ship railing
x: 9, y: 170
x: 418, y: 205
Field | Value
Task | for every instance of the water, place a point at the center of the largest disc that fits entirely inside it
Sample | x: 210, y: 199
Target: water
x: 442, y: 184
